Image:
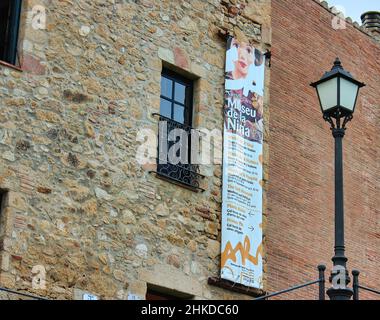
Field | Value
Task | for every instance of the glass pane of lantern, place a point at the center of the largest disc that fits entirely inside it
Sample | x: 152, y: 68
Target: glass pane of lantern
x: 348, y: 93
x: 328, y: 93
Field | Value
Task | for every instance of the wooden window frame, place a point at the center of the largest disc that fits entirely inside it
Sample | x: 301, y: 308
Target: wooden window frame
x: 10, y: 44
x: 188, y: 105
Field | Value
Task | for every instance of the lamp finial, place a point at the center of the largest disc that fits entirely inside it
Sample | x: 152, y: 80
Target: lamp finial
x: 337, y: 64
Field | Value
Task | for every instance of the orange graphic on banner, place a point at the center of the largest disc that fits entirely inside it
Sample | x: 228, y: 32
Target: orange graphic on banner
x: 229, y: 253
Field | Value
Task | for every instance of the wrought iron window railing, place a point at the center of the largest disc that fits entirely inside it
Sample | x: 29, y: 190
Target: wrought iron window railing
x: 184, y: 173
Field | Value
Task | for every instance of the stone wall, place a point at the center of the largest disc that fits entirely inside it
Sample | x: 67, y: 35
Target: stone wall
x: 79, y: 204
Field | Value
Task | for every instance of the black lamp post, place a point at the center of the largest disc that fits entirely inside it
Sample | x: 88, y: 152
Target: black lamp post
x: 338, y: 92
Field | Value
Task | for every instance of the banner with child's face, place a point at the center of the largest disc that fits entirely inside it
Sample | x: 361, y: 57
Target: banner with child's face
x: 242, y: 165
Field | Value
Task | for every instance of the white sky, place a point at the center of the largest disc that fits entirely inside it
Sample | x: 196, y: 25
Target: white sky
x: 355, y: 8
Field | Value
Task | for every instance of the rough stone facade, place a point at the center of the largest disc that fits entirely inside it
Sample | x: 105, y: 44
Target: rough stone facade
x: 79, y: 205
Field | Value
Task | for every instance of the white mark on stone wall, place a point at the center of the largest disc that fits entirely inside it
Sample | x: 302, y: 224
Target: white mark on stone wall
x: 165, y: 17
x: 195, y: 268
x: 60, y: 225
x: 162, y: 210
x: 141, y: 250
x: 113, y: 213
x: 39, y: 17
x: 102, y: 236
x: 121, y: 295
x: 102, y: 194
x: 84, y: 31
x: 5, y: 137
x: 39, y: 277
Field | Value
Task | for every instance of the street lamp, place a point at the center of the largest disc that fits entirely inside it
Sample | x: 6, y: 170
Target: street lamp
x: 338, y: 93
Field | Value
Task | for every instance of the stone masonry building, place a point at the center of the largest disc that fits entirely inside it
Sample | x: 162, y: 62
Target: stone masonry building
x: 79, y: 212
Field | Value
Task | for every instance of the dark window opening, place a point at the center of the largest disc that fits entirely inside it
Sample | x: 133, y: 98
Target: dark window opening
x: 155, y: 292
x: 153, y: 295
x: 3, y: 194
x: 3, y: 203
x: 10, y: 11
x: 176, y: 98
x: 176, y: 112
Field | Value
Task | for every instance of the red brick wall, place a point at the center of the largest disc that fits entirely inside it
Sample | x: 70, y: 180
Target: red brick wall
x: 301, y: 183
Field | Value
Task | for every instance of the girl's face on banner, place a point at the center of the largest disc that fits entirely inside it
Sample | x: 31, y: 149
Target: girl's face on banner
x: 245, y: 58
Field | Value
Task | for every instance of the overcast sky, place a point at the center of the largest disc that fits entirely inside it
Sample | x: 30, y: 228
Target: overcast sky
x: 355, y: 8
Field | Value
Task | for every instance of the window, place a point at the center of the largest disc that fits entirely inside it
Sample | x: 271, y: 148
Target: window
x: 155, y: 292
x: 176, y: 106
x: 3, y: 194
x: 176, y: 98
x: 3, y: 200
x: 153, y: 295
x: 9, y: 24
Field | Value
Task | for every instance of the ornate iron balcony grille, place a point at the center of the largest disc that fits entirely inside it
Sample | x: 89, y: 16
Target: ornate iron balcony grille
x: 185, y: 174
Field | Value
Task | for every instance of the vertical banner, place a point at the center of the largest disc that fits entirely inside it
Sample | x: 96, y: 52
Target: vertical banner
x: 242, y: 165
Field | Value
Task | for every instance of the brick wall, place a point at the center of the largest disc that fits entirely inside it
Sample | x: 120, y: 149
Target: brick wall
x: 301, y: 178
